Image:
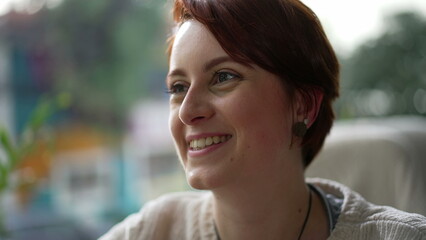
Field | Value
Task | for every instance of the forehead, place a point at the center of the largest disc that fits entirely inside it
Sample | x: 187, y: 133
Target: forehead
x: 193, y: 31
x: 194, y: 41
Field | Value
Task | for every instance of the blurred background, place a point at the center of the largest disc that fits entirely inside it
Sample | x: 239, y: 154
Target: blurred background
x: 83, y: 113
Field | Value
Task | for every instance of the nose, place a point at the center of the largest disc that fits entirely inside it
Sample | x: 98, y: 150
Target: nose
x: 196, y: 107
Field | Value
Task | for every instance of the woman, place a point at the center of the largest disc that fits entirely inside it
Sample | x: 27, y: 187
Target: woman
x: 251, y: 86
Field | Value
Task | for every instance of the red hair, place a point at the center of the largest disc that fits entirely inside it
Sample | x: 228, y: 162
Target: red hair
x: 283, y: 37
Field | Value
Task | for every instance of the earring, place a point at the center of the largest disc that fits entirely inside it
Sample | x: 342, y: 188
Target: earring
x: 300, y: 128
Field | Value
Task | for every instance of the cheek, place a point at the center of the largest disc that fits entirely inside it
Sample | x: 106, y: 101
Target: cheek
x: 175, y: 125
x: 176, y: 129
x: 261, y: 120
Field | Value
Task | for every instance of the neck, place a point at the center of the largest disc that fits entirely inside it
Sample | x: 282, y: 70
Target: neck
x: 271, y: 206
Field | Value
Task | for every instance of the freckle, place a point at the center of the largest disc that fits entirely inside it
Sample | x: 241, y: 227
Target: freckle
x: 300, y: 210
x: 231, y: 160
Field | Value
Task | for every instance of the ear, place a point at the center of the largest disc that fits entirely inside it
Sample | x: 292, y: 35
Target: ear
x: 308, y: 104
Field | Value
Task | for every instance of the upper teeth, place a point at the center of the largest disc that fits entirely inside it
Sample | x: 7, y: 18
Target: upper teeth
x: 204, y: 142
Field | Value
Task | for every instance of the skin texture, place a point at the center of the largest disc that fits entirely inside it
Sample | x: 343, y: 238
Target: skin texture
x: 257, y: 175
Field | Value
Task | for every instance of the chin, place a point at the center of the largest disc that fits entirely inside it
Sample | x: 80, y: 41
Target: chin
x: 203, y: 180
x: 197, y: 185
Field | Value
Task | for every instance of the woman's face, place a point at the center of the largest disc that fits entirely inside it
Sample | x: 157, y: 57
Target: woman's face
x: 230, y: 122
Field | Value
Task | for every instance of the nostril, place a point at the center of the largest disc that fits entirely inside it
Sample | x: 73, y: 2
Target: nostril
x: 197, y: 119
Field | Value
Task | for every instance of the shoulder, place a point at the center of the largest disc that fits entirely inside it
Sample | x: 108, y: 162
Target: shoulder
x: 369, y: 221
x: 175, y: 214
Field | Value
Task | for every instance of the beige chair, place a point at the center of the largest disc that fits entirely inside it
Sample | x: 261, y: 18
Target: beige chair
x: 382, y: 159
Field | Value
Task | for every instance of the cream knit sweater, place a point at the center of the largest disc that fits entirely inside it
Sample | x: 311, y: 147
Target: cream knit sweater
x: 188, y: 215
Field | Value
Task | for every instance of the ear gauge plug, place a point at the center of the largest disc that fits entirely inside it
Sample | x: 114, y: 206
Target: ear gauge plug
x: 300, y: 128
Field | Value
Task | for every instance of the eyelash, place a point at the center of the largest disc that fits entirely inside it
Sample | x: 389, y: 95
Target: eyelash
x: 178, y: 87
x: 174, y: 88
x: 216, y: 76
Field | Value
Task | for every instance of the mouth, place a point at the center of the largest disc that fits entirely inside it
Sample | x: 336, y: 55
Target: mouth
x: 201, y: 143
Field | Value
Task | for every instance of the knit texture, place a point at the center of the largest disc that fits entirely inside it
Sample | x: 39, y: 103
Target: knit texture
x: 360, y: 219
x: 188, y: 215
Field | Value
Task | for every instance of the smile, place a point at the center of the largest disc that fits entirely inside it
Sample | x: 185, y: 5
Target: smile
x: 201, y: 143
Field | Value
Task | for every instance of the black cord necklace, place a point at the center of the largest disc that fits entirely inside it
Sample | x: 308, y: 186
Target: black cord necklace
x: 307, y: 214
x: 304, y: 222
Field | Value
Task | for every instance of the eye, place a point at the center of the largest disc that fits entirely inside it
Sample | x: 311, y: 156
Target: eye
x: 177, y: 88
x: 221, y: 77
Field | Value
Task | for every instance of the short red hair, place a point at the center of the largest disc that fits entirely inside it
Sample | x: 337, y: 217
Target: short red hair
x: 283, y: 37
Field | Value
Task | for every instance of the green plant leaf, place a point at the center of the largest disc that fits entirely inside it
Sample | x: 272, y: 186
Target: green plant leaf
x: 40, y: 115
x: 4, y: 174
x: 63, y: 100
x: 9, y: 149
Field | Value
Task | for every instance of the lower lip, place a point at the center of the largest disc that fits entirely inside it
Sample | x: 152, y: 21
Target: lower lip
x: 205, y: 151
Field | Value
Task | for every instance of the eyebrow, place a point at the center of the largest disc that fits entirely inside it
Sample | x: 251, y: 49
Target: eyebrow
x: 176, y: 72
x: 216, y: 61
x: 209, y: 65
